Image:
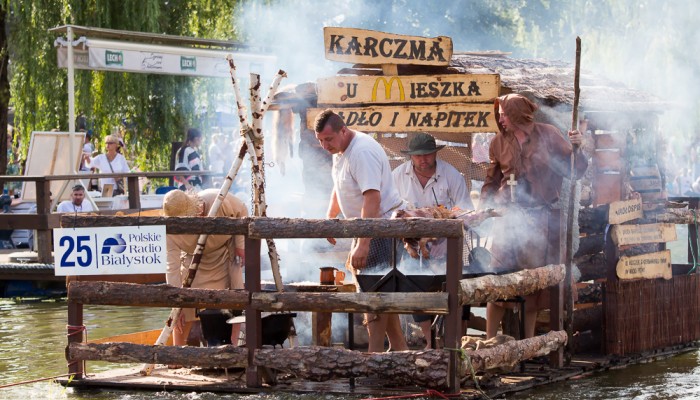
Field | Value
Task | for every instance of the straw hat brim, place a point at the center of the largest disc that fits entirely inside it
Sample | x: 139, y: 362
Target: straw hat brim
x: 420, y: 152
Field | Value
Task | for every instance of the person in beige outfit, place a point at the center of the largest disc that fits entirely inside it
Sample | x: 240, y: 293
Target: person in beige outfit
x: 221, y: 266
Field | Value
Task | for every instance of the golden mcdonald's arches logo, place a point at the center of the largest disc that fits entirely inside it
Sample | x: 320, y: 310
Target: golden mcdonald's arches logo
x: 446, y: 88
x: 387, y: 88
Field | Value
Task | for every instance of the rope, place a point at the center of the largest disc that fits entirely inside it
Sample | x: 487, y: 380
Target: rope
x: 72, y: 331
x: 38, y: 380
x: 464, y: 356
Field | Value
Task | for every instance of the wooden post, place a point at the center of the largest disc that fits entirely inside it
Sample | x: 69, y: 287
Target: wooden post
x: 134, y: 194
x: 556, y: 293
x: 75, y: 335
x: 568, y: 284
x: 610, y: 296
x: 43, y: 234
x: 453, y: 321
x: 321, y: 328
x: 692, y: 232
x: 253, y: 322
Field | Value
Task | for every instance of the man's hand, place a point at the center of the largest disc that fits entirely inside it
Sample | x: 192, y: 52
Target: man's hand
x: 576, y: 138
x: 331, y: 241
x: 359, y: 253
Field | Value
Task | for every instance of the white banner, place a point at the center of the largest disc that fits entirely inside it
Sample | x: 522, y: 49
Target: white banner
x: 106, y: 55
x: 109, y: 251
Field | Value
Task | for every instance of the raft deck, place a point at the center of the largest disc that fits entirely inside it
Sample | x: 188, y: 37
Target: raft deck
x: 233, y: 381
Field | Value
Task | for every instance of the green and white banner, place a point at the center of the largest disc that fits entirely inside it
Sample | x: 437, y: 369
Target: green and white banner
x: 107, y: 55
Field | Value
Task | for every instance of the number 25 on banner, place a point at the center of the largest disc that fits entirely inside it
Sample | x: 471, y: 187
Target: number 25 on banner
x: 75, y: 249
x: 106, y: 251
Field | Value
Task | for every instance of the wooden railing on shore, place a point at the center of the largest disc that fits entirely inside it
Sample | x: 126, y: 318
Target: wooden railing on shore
x: 43, y: 220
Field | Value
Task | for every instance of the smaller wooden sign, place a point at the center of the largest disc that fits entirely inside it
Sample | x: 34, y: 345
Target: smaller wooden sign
x: 448, y: 118
x: 646, y: 266
x: 646, y: 233
x: 372, y: 47
x: 623, y: 211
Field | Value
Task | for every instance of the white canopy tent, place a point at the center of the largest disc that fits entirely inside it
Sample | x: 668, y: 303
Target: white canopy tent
x: 100, y: 49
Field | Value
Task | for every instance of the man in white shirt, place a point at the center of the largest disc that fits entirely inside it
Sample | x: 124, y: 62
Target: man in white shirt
x: 425, y: 181
x: 362, y: 188
x: 76, y: 203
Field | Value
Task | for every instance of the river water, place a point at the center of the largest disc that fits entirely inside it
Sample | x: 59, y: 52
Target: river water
x: 32, y: 341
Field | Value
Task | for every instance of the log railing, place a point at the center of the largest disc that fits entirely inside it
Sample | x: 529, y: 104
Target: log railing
x: 253, y: 300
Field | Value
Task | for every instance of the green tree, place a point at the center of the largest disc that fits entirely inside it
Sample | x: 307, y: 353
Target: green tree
x: 156, y: 109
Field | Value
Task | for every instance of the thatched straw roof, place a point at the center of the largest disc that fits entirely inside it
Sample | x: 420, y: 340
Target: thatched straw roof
x: 552, y: 82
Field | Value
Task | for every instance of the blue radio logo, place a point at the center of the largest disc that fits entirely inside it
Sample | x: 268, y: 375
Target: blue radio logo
x: 114, y: 244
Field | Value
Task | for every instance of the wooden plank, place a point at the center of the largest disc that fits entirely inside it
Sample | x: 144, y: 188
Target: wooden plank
x: 448, y: 118
x: 374, y: 47
x: 645, y: 233
x: 623, y: 211
x: 646, y: 266
x: 452, y: 88
x: 143, y: 337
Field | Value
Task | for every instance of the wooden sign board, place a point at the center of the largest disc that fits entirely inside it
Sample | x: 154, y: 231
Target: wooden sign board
x: 448, y: 118
x: 372, y: 47
x: 646, y: 266
x: 623, y: 211
x: 646, y: 233
x: 49, y: 155
x: 408, y: 89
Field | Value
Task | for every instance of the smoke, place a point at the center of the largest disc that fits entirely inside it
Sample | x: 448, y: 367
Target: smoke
x: 648, y: 45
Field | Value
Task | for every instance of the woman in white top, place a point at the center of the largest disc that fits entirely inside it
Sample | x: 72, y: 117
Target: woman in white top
x: 111, y: 162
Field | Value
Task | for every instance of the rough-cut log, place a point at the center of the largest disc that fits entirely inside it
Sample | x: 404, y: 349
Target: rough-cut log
x: 423, y: 368
x: 677, y: 216
x: 208, y: 357
x: 591, y: 244
x: 377, y: 227
x: 278, y: 227
x: 130, y: 294
x: 638, y: 249
x: 173, y: 225
x: 593, y: 220
x: 591, y: 267
x: 498, y: 287
x: 401, y: 303
x: 511, y: 353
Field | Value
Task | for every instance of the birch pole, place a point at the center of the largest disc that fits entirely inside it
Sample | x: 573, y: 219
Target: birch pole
x: 201, y: 240
x: 569, y: 306
x: 255, y: 149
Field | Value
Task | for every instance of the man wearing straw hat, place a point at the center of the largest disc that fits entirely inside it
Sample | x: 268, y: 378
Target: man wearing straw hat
x: 425, y: 181
x: 362, y: 188
x: 220, y: 267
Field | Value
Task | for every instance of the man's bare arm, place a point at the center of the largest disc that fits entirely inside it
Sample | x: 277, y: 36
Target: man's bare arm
x: 370, y: 209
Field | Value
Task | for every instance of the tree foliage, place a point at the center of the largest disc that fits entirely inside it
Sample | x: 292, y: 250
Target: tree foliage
x: 645, y: 43
x: 154, y: 109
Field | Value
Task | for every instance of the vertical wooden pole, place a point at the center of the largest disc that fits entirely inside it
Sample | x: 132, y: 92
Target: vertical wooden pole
x: 43, y: 208
x: 556, y: 293
x: 75, y: 335
x: 692, y: 233
x: 611, y: 330
x: 253, y: 323
x: 134, y: 194
x: 453, y: 320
